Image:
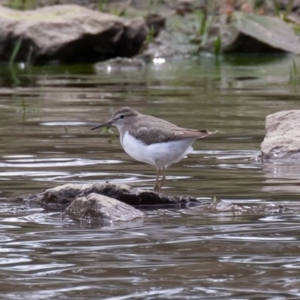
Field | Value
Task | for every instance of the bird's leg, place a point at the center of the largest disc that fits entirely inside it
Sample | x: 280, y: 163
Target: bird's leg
x: 163, y: 179
x: 156, y: 186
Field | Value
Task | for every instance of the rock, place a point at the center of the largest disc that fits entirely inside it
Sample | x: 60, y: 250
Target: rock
x: 120, y: 64
x: 253, y: 33
x: 115, y: 202
x: 60, y: 197
x: 99, y: 207
x: 156, y: 23
x: 232, y: 208
x: 282, y: 141
x: 68, y: 33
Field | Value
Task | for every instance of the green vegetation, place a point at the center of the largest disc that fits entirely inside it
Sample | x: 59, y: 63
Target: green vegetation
x: 294, y: 76
x: 102, y: 5
x: 288, y: 9
x: 15, y: 51
x: 206, y: 27
x: 22, y: 4
x: 218, y: 44
x: 150, y: 36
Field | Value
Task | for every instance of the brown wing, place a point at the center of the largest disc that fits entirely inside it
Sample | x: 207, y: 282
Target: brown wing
x: 155, y: 130
x: 189, y: 133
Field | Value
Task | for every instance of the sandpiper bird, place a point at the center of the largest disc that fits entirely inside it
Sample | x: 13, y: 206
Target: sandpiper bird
x: 152, y: 140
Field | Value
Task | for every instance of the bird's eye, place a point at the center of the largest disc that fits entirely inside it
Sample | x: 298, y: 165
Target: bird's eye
x: 122, y: 116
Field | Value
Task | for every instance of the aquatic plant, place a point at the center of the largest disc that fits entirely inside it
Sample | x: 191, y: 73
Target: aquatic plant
x: 217, y: 46
x: 15, y: 51
x: 294, y: 76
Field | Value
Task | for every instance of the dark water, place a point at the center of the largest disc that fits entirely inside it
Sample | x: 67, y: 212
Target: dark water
x: 45, y: 119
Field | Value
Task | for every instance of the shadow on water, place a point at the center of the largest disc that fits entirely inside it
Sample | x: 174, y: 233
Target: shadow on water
x: 46, y: 114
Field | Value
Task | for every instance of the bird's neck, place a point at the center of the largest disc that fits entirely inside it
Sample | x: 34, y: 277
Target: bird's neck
x: 122, y: 131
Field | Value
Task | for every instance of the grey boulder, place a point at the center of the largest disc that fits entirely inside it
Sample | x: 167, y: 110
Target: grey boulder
x: 68, y: 33
x: 114, y: 203
x: 100, y: 207
x: 282, y: 141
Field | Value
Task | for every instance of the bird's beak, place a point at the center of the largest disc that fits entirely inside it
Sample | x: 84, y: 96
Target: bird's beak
x: 105, y: 124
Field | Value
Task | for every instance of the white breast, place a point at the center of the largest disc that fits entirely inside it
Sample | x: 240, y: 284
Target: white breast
x: 160, y: 154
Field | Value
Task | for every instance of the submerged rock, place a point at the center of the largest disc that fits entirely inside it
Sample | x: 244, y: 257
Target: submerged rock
x: 95, y: 206
x: 68, y: 33
x: 242, y: 209
x: 282, y: 141
x: 104, y: 201
x: 113, y: 202
x: 120, y: 64
x: 58, y: 198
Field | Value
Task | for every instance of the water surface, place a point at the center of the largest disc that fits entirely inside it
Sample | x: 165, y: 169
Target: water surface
x: 46, y: 114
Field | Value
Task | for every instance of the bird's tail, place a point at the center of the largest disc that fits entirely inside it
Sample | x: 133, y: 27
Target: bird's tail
x: 205, y: 132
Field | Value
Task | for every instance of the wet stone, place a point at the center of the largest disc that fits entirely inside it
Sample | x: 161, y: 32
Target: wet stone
x: 239, y: 209
x: 119, y: 202
x: 282, y: 141
x: 120, y: 64
x: 58, y: 198
x: 100, y: 207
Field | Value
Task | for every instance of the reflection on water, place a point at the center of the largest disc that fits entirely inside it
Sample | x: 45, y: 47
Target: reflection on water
x: 46, y: 114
